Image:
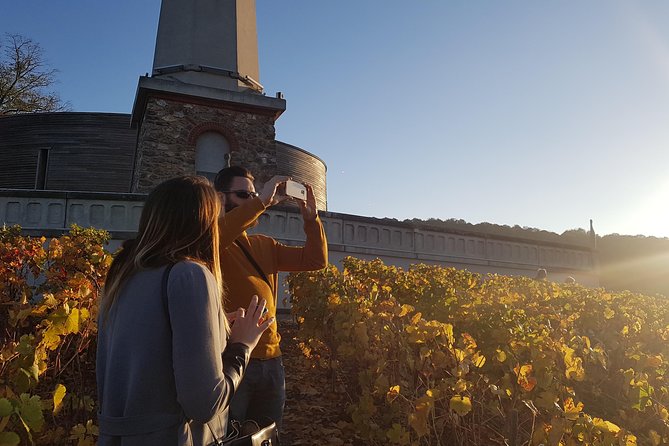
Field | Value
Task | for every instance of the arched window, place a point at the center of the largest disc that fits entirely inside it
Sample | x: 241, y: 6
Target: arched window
x: 211, y: 153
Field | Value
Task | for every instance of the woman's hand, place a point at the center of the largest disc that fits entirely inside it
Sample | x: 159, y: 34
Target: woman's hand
x: 232, y: 316
x: 248, y: 327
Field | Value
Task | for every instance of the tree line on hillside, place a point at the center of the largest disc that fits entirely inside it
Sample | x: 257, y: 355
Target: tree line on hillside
x: 637, y: 263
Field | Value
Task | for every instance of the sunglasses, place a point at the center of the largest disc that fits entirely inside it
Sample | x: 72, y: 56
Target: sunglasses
x: 242, y: 194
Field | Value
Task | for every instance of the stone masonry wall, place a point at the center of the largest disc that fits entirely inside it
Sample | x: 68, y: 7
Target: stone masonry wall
x: 169, y: 132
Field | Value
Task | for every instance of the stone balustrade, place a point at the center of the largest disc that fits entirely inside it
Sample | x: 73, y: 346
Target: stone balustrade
x: 370, y: 236
x: 55, y: 211
x: 397, y: 243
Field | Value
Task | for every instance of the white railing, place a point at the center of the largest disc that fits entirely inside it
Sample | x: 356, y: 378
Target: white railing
x: 347, y: 235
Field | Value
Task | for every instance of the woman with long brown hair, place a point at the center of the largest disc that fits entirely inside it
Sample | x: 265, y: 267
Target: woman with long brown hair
x: 167, y: 361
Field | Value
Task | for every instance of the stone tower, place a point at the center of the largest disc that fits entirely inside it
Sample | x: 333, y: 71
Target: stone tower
x: 203, y: 103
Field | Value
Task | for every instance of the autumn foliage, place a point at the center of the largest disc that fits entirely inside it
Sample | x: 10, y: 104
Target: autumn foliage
x: 427, y: 356
x: 48, y: 297
x: 439, y: 356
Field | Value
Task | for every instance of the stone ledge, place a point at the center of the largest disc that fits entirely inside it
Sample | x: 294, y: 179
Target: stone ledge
x: 149, y: 86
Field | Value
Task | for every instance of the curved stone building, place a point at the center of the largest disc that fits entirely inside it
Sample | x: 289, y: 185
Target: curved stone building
x: 67, y: 151
x: 96, y: 152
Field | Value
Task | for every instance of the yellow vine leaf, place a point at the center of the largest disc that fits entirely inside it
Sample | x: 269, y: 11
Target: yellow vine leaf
x: 406, y: 309
x: 448, y: 331
x: 655, y: 438
x: 664, y: 413
x: 571, y: 410
x: 574, y: 365
x: 58, y: 395
x: 50, y: 338
x: 461, y: 405
x: 393, y: 393
x: 630, y: 440
x: 523, y: 373
x: 576, y: 370
x: 461, y: 386
x: 72, y: 322
x: 605, y: 426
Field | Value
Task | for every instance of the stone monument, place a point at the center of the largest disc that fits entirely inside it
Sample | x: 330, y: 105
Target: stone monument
x: 204, y: 105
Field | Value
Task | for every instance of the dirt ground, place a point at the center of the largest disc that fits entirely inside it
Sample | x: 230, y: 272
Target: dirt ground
x: 314, y: 413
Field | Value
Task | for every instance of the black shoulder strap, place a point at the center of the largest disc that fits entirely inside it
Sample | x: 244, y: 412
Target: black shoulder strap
x: 254, y: 263
x: 163, y: 289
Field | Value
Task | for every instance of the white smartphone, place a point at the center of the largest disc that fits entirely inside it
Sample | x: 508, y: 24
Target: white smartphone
x: 296, y: 190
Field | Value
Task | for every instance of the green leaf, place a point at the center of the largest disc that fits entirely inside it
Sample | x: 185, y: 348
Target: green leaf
x: 398, y: 435
x: 6, y: 407
x: 31, y: 372
x: 9, y: 439
x: 30, y: 411
x: 26, y: 347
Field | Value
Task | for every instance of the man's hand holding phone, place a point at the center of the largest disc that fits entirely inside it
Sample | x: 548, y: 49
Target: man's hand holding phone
x: 305, y: 196
x: 280, y: 188
x: 269, y: 194
x: 296, y: 190
x: 308, y: 206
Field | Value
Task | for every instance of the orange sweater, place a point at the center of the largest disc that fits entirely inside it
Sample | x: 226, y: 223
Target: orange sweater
x: 240, y: 276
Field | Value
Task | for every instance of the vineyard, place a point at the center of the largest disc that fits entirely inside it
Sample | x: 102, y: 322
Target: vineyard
x: 47, y: 356
x: 424, y: 356
x: 438, y: 356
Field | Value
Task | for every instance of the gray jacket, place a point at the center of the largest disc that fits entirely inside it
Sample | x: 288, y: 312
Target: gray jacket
x: 166, y: 381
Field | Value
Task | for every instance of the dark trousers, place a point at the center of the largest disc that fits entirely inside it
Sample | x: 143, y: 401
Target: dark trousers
x: 261, y: 394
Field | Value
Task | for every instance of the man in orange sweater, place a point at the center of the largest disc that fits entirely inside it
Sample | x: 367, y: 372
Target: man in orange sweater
x: 250, y: 266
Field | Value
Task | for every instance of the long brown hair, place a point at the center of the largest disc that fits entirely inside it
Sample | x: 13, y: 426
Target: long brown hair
x: 179, y: 222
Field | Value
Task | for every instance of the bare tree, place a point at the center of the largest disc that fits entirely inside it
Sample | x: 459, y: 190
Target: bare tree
x: 25, y: 78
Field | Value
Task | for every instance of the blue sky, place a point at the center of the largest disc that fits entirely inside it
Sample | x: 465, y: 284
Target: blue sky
x: 542, y: 114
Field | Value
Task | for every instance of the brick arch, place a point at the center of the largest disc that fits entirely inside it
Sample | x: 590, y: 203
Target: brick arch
x: 214, y: 127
